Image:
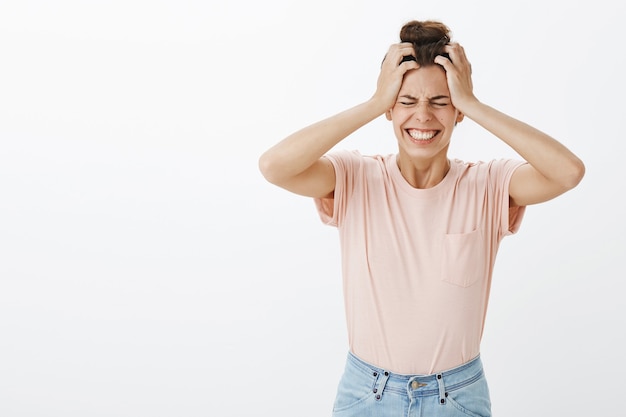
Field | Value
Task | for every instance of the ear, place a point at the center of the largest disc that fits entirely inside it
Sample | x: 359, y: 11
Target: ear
x: 388, y: 114
x: 459, y: 118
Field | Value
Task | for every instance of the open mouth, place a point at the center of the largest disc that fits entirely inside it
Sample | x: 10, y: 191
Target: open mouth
x: 422, y: 136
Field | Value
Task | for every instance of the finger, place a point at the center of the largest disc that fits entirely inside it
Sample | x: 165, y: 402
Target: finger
x: 444, y: 62
x: 404, y: 49
x: 408, y: 58
x: 397, y: 53
x: 401, y: 47
x: 458, y: 57
x: 456, y: 52
x: 407, y: 66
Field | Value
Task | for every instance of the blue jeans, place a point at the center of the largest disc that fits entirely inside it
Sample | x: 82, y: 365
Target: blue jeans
x: 368, y: 391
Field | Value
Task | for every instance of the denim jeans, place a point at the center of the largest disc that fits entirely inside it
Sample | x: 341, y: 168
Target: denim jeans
x: 368, y: 391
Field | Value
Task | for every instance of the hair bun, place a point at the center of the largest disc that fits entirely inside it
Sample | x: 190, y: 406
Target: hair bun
x: 424, y: 32
x: 428, y: 37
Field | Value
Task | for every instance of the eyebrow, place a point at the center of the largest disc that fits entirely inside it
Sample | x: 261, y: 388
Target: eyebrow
x: 410, y: 97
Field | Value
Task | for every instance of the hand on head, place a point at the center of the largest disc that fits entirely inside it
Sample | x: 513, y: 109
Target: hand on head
x: 401, y: 58
x: 392, y: 72
x: 458, y: 74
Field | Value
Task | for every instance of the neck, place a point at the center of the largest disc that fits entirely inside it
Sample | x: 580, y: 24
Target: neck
x: 423, y: 174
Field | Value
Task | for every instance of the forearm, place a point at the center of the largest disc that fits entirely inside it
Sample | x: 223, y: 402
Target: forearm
x: 300, y: 150
x: 548, y: 156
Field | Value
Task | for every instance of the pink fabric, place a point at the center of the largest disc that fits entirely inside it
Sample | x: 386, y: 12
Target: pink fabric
x: 417, y: 263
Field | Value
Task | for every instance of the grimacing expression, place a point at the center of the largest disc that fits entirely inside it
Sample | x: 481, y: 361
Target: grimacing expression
x: 423, y: 116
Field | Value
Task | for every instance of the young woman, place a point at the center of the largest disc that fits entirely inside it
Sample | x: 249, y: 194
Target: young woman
x: 419, y: 231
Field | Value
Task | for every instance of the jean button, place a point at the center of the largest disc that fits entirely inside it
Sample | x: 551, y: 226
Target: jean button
x: 415, y: 385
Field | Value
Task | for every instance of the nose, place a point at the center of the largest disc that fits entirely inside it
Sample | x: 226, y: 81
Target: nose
x: 423, y: 112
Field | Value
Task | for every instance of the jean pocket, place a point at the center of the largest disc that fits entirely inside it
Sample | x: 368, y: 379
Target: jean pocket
x: 464, y: 258
x: 354, y: 388
x: 472, y: 400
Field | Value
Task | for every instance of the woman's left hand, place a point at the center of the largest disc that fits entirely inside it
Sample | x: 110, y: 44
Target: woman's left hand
x: 459, y: 75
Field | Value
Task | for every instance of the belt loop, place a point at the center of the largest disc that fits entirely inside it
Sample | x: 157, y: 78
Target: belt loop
x: 381, y: 386
x: 442, y: 389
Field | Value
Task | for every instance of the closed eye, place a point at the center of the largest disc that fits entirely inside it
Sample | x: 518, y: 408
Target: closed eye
x: 439, y: 101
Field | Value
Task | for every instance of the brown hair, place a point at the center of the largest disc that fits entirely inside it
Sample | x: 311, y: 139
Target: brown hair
x: 428, y: 38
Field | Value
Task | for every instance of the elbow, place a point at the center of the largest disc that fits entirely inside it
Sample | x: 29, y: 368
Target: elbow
x: 268, y: 168
x: 575, y: 174
x: 265, y: 166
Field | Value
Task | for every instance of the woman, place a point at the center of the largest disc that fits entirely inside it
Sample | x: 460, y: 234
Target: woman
x: 419, y: 231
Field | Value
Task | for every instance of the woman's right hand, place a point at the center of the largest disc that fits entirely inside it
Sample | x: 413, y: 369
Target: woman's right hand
x: 392, y: 73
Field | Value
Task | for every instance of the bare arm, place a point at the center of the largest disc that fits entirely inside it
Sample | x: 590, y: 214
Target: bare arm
x: 296, y: 162
x: 552, y: 169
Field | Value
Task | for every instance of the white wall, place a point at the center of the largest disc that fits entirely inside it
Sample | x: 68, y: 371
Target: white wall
x: 146, y: 268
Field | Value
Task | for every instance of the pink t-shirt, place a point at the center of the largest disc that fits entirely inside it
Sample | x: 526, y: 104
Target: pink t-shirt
x: 417, y: 263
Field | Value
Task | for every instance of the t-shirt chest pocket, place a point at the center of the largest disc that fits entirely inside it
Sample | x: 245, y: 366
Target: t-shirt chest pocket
x: 463, y: 259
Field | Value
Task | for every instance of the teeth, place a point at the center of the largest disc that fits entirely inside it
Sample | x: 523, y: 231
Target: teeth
x: 420, y: 135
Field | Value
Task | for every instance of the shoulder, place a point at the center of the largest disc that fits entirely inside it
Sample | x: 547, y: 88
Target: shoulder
x: 483, y: 169
x: 351, y: 159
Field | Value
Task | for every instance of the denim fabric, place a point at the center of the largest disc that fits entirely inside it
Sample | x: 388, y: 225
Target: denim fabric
x: 368, y: 391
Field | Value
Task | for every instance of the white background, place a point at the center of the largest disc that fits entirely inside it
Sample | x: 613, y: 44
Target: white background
x: 147, y: 269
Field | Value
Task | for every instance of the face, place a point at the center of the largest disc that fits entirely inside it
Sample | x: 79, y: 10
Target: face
x: 423, y: 116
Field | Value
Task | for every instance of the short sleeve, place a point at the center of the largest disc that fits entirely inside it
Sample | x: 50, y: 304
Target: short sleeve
x: 347, y: 165
x: 510, y: 218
